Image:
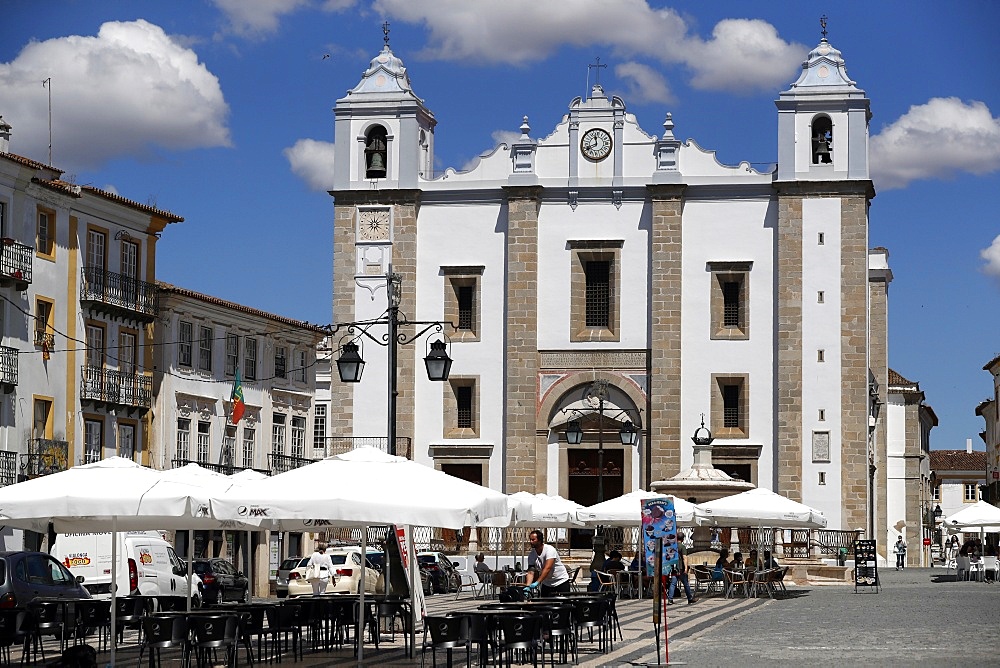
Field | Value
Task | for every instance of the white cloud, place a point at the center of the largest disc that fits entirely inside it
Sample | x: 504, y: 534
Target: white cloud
x: 312, y: 161
x: 256, y: 18
x: 741, y: 54
x: 936, y: 140
x: 992, y: 257
x: 643, y: 83
x: 122, y: 93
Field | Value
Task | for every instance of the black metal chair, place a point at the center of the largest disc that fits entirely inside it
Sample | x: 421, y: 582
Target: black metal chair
x: 592, y: 614
x: 520, y: 634
x: 252, y: 624
x: 12, y: 622
x: 47, y: 619
x: 212, y: 633
x: 392, y: 610
x: 94, y: 615
x: 562, y: 632
x: 129, y: 611
x: 165, y: 632
x: 448, y: 633
x: 284, y: 621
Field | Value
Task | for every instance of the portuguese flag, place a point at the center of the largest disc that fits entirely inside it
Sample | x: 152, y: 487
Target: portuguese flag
x: 237, y: 398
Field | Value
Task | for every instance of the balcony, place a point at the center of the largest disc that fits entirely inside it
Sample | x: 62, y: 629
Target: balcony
x: 8, y: 368
x: 119, y: 295
x: 15, y: 263
x: 111, y: 387
x: 283, y: 463
x: 8, y: 468
x: 224, y: 469
x: 44, y: 456
x: 338, y: 445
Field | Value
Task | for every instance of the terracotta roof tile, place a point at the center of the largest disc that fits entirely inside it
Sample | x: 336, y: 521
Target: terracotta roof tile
x: 145, y: 208
x: 958, y: 460
x: 28, y: 162
x: 986, y: 367
x: 208, y: 299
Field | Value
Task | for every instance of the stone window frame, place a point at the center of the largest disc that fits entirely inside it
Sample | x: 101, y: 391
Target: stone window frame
x: 722, y: 273
x: 450, y: 407
x: 456, y: 277
x: 719, y: 381
x: 594, y: 250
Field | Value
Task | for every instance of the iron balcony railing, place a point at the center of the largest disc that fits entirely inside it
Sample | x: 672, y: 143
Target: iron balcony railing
x: 282, y: 463
x: 44, y: 456
x: 116, y: 387
x: 338, y: 445
x: 225, y: 469
x: 8, y: 366
x: 119, y: 293
x: 8, y: 467
x: 15, y: 261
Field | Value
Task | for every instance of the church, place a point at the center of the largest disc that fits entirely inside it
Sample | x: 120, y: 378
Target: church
x: 605, y: 291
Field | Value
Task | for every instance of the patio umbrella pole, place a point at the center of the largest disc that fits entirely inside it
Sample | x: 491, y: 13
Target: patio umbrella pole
x: 114, y: 585
x: 361, y: 615
x: 190, y: 562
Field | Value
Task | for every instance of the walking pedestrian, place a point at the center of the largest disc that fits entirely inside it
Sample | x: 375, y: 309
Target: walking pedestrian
x: 320, y: 567
x: 678, y: 572
x: 900, y: 551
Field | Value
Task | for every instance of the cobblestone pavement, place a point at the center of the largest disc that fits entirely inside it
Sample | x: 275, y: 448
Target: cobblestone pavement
x: 919, y: 616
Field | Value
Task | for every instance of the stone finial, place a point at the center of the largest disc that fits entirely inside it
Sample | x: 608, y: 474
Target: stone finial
x: 525, y: 128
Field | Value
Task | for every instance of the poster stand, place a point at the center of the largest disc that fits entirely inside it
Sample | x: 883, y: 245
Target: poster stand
x: 865, y: 566
x: 660, y: 537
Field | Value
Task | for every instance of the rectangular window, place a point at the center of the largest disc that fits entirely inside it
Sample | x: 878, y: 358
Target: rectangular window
x: 126, y: 440
x: 44, y: 323
x: 822, y: 415
x: 820, y: 297
x: 820, y: 355
x: 204, y: 441
x: 126, y: 352
x: 730, y: 407
x: 300, y: 371
x: 93, y: 440
x: 95, y: 346
x: 232, y: 353
x: 466, y: 295
x: 463, y: 398
x: 130, y: 260
x: 820, y: 239
x: 250, y: 358
x: 41, y: 423
x: 45, y: 234
x: 249, y: 438
x: 97, y: 242
x: 597, y: 274
x: 205, y: 349
x: 280, y: 355
x: 298, y: 437
x: 228, y: 450
x: 971, y: 494
x: 822, y: 477
x: 185, y: 337
x: 729, y: 300
x: 461, y: 300
x: 319, y: 427
x: 936, y: 492
x: 278, y: 434
x: 183, y: 453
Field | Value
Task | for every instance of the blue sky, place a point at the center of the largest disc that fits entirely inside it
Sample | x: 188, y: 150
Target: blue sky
x: 220, y: 111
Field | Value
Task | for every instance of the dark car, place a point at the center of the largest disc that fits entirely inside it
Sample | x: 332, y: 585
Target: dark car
x: 25, y: 576
x: 443, y: 573
x: 221, y: 581
x: 377, y: 559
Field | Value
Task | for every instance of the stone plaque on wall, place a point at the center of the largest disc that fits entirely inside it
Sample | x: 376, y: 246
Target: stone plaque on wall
x: 593, y: 359
x: 821, y: 446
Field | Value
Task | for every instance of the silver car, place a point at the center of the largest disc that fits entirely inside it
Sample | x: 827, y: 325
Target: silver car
x: 286, y: 567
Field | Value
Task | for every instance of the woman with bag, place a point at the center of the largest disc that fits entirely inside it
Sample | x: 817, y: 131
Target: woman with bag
x: 319, y: 569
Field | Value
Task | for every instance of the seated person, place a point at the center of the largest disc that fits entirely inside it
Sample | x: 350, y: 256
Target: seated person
x: 753, y: 561
x: 614, y: 562
x: 769, y: 561
x: 481, y: 568
x: 721, y: 563
x: 738, y: 561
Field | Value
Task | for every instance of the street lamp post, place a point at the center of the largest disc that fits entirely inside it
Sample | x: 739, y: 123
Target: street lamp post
x: 628, y: 435
x: 350, y: 364
x: 874, y: 408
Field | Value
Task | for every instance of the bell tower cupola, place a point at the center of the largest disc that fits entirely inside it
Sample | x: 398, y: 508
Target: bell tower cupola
x: 384, y: 135
x: 823, y: 121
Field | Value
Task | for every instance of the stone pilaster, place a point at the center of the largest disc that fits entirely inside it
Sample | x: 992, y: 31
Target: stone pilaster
x: 911, y: 484
x: 878, y: 362
x: 854, y: 353
x: 664, y: 402
x: 789, y: 346
x: 525, y: 467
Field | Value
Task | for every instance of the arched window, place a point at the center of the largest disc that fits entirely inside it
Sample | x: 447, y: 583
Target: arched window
x: 376, y: 153
x: 822, y: 140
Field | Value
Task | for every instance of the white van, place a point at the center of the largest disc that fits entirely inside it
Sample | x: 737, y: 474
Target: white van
x: 147, y: 564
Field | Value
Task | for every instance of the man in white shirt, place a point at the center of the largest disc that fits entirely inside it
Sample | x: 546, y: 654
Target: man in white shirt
x: 545, y: 567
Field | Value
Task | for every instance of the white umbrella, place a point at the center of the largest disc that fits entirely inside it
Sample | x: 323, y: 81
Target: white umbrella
x: 626, y: 510
x: 978, y: 516
x: 764, y: 508
x: 538, y: 511
x: 358, y: 488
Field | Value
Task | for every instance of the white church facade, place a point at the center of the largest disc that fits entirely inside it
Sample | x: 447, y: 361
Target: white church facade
x: 596, y: 251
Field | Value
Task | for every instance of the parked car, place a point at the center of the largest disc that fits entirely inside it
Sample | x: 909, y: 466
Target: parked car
x: 443, y: 573
x: 221, y: 581
x: 25, y: 576
x: 346, y: 573
x: 286, y: 567
x: 377, y: 559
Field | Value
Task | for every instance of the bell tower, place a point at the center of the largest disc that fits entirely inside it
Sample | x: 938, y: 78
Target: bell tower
x: 823, y: 122
x: 384, y: 135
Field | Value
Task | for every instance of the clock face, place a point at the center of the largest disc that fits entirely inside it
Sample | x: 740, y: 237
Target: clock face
x: 373, y: 225
x: 595, y: 144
